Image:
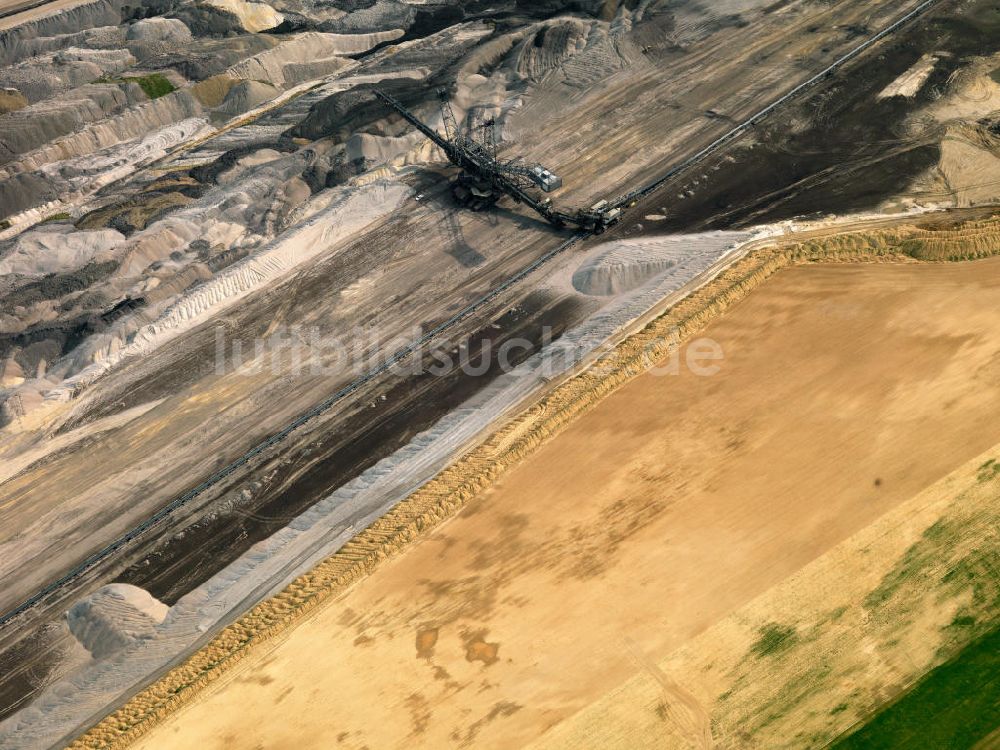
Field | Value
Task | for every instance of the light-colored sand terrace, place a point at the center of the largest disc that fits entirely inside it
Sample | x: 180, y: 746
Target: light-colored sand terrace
x: 24, y: 11
x: 845, y: 390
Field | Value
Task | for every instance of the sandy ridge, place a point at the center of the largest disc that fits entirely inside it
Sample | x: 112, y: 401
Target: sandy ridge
x: 443, y: 496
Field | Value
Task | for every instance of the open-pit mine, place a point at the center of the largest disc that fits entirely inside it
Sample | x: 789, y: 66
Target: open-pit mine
x: 424, y: 373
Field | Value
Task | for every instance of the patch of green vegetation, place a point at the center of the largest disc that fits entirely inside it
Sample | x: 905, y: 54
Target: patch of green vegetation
x: 915, y: 559
x: 63, y: 216
x: 995, y: 75
x: 973, y: 571
x: 953, y: 706
x: 988, y: 471
x: 978, y: 573
x: 154, y: 85
x: 772, y: 639
x: 790, y: 697
x: 839, y: 708
x: 4, y: 224
x: 963, y: 621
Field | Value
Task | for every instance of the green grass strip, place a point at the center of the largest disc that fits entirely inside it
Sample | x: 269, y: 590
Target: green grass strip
x: 155, y: 84
x: 951, y: 708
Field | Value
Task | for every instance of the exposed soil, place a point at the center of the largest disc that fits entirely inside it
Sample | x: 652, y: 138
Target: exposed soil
x: 841, y: 148
x: 311, y: 470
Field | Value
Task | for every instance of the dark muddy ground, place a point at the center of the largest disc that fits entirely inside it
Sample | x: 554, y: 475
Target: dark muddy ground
x: 311, y: 470
x: 853, y: 153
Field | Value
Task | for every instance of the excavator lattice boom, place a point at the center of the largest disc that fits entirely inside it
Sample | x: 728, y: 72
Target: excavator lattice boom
x: 485, y: 178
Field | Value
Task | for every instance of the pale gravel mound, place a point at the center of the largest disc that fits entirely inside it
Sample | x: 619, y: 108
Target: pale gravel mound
x: 159, y: 30
x: 42, y: 77
x: 909, y: 84
x: 110, y: 60
x: 113, y: 617
x: 246, y: 95
x: 212, y: 91
x: 618, y: 273
x: 380, y: 14
x: 11, y: 374
x: 39, y: 79
x: 309, y: 55
x: 102, y: 37
x: 629, y: 264
x: 319, y: 53
x: 56, y: 249
x: 253, y: 16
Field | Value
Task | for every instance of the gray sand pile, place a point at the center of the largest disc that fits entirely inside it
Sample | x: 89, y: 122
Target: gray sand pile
x: 380, y: 14
x: 159, y: 30
x: 47, y: 75
x: 202, y: 58
x: 115, y: 616
x: 626, y: 265
x: 212, y: 91
x: 252, y: 16
x: 307, y: 56
x: 617, y: 273
x: 55, y: 248
x: 102, y: 37
x: 246, y: 95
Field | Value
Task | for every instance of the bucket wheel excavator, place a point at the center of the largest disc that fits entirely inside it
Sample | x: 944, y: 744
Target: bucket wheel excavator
x: 485, y: 178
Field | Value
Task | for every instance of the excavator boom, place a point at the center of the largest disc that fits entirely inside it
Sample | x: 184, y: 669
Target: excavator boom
x: 484, y: 178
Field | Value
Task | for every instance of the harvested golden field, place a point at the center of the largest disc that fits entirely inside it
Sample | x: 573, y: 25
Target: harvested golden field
x: 845, y: 391
x: 825, y: 649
